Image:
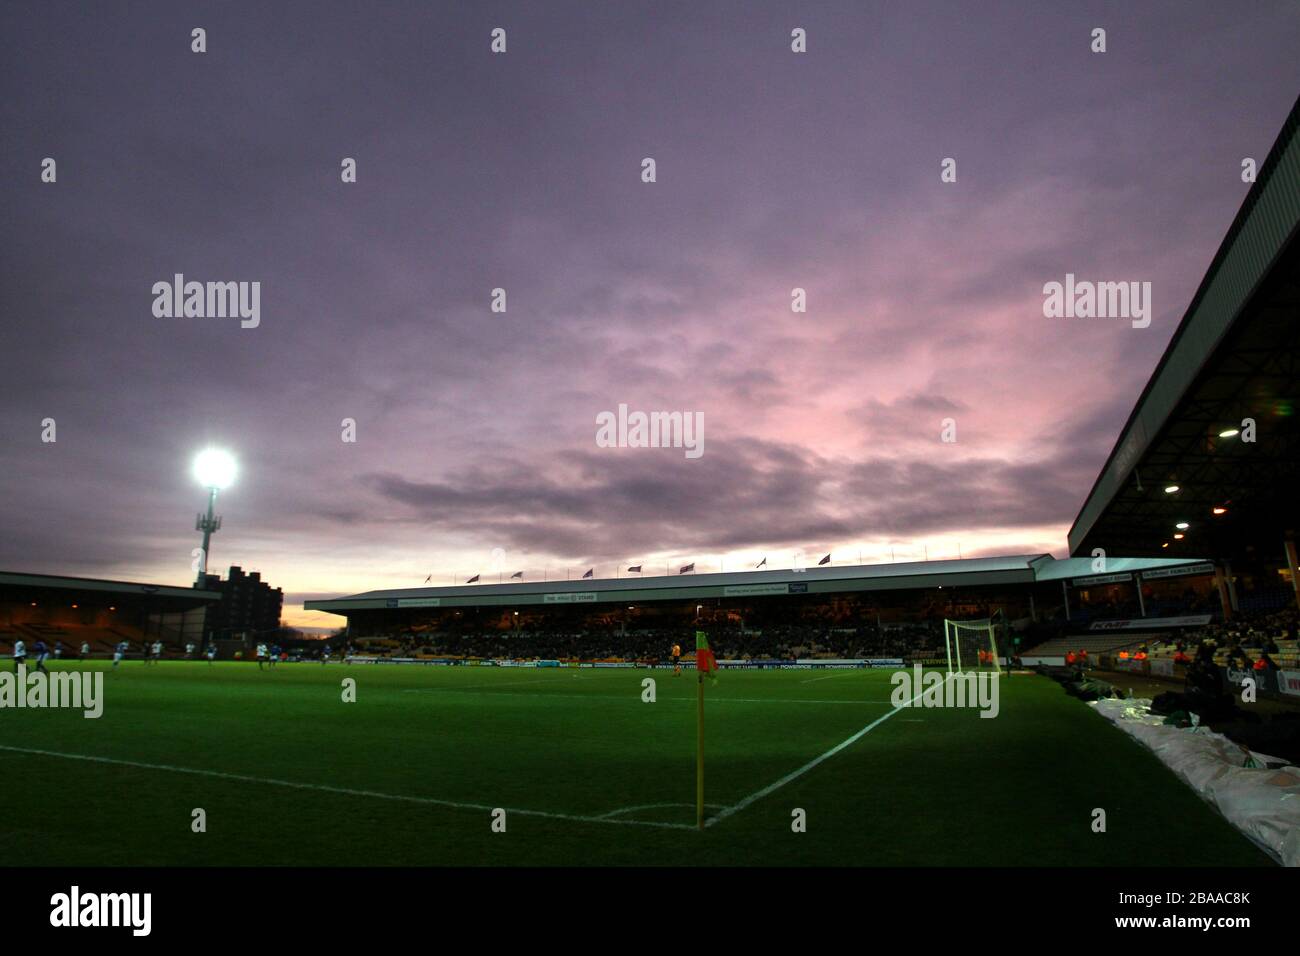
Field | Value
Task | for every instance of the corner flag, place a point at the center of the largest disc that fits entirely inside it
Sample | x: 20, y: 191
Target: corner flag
x: 705, y: 663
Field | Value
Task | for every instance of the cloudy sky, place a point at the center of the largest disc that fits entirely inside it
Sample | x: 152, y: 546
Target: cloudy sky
x: 476, y: 431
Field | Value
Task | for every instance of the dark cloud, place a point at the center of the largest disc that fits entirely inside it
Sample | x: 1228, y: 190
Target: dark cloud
x: 475, y: 430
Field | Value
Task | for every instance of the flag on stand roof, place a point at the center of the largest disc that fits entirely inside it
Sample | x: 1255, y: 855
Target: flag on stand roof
x: 472, y: 580
x: 761, y: 563
x: 705, y: 662
x: 686, y: 567
x: 636, y: 568
x: 825, y: 560
x: 590, y: 573
x: 517, y: 574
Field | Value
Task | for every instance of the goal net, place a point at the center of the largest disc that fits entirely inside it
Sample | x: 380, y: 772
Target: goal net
x: 971, y: 645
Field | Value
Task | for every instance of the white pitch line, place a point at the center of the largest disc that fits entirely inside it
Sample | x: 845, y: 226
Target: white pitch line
x: 637, y: 696
x: 344, y: 791
x: 790, y: 700
x: 509, y: 683
x: 651, y: 806
x: 813, y: 680
x: 796, y: 774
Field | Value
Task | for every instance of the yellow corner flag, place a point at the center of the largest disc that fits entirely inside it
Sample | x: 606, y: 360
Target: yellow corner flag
x: 705, y: 664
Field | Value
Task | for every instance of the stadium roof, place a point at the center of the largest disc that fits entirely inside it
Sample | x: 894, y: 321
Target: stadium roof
x: 1235, y: 355
x: 1014, y: 569
x: 1081, y: 569
x: 11, y: 579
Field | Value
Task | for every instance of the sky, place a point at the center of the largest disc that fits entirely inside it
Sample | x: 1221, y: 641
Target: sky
x: 476, y: 446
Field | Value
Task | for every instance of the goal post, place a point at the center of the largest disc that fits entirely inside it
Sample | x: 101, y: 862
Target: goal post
x: 971, y: 645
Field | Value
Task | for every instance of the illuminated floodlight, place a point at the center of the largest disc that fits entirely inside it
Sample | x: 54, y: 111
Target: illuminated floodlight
x: 214, y: 468
x: 1182, y: 526
x: 1171, y: 489
x: 1220, y: 511
x: 1229, y: 432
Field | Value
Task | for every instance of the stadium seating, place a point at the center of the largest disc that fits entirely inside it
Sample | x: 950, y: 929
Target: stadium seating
x: 1099, y: 643
x: 918, y: 640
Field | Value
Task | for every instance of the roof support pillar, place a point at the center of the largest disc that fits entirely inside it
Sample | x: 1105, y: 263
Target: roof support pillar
x: 1232, y: 587
x: 1292, y: 565
x: 1221, y: 583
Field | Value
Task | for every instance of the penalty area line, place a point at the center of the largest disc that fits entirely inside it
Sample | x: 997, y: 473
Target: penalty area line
x: 343, y: 791
x: 821, y: 758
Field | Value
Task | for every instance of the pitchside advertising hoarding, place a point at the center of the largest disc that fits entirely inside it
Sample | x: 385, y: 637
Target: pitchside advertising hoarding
x: 1162, y: 666
x: 813, y: 664
x: 1150, y: 623
x: 1281, y: 682
x: 752, y: 664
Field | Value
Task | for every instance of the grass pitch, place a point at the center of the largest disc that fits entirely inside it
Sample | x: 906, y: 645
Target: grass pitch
x: 588, y: 774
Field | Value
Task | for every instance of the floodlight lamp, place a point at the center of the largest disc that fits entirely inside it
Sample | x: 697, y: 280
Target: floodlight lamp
x: 214, y: 468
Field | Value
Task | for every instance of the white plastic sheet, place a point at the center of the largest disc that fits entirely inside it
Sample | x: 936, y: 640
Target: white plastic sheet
x: 1264, y: 804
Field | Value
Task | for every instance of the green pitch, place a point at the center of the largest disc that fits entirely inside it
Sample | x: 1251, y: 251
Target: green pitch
x: 288, y: 773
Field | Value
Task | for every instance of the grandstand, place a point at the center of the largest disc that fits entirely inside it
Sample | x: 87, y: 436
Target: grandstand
x: 72, y: 611
x: 837, y: 608
x: 1183, y: 456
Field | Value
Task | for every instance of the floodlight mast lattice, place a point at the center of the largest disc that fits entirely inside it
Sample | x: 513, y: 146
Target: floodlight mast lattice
x: 208, y: 525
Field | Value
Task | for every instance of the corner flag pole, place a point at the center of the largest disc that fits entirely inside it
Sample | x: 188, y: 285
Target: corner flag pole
x: 699, y: 750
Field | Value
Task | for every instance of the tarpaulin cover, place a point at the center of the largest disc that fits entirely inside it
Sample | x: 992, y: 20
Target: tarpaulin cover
x: 1264, y: 804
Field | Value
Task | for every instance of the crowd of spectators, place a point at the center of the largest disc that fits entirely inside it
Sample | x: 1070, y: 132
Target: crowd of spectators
x: 728, y: 641
x: 1247, y: 642
x: 1251, y: 630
